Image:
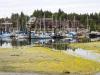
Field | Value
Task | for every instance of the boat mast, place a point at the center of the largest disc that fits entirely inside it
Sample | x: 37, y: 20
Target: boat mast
x: 75, y: 24
x: 40, y: 24
x: 55, y: 29
x: 17, y: 24
x: 88, y: 28
x: 52, y: 23
x: 60, y: 25
x: 44, y: 22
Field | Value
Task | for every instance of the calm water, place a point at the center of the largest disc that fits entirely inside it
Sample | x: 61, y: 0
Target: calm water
x: 10, y: 42
x: 87, y: 54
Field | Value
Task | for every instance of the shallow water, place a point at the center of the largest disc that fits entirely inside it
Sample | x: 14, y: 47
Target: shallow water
x: 97, y: 73
x: 84, y: 54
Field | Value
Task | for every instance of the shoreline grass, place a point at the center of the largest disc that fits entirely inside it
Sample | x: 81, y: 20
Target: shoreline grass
x: 40, y: 59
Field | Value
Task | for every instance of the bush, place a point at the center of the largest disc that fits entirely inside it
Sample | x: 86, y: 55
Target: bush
x: 84, y: 40
x: 60, y: 46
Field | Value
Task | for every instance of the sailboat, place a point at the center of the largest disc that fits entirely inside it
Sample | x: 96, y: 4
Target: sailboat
x: 5, y: 33
x: 56, y: 34
x: 20, y: 34
x: 44, y: 34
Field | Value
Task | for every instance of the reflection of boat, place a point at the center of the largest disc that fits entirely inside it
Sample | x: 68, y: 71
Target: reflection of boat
x: 6, y: 39
x: 21, y: 40
x: 42, y: 41
x: 6, y: 45
x: 69, y: 40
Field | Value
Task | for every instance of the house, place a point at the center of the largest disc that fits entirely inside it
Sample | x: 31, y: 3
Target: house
x: 6, y: 26
x: 49, y: 24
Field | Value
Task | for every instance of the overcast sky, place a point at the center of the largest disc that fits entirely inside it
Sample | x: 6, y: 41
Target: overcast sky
x: 7, y: 7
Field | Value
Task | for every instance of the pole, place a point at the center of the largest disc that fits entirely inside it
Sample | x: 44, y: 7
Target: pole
x: 40, y: 24
x: 52, y: 22
x: 44, y: 22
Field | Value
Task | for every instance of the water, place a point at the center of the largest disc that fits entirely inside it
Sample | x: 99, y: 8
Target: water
x: 11, y: 42
x: 84, y: 54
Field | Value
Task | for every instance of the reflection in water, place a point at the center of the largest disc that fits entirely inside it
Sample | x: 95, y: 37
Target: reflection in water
x: 22, y: 42
x: 8, y: 42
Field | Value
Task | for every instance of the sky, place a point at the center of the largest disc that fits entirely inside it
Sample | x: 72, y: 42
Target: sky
x: 7, y: 7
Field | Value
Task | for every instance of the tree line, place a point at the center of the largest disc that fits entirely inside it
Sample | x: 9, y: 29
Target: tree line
x: 93, y: 18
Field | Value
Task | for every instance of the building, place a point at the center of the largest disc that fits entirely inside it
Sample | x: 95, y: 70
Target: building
x: 6, y: 26
x: 49, y: 24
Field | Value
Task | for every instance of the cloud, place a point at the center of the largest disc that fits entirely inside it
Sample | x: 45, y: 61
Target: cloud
x: 28, y: 6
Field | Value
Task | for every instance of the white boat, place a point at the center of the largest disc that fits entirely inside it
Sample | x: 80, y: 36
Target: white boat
x: 71, y: 34
x: 43, y: 35
x: 33, y: 35
x: 21, y: 35
x: 5, y: 35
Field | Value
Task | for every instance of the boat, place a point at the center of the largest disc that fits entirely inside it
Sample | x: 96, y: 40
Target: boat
x: 5, y: 35
x: 21, y: 35
x: 57, y: 36
x: 44, y: 36
x: 71, y: 34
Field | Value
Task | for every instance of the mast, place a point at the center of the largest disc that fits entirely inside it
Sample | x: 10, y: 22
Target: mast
x: 56, y: 26
x: 87, y: 23
x: 56, y: 21
x: 52, y: 22
x: 40, y: 24
x: 88, y: 28
x: 74, y: 24
x: 60, y: 25
x: 44, y: 22
x: 17, y: 24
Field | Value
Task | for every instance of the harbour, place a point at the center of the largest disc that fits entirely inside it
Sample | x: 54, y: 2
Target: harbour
x: 49, y: 37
